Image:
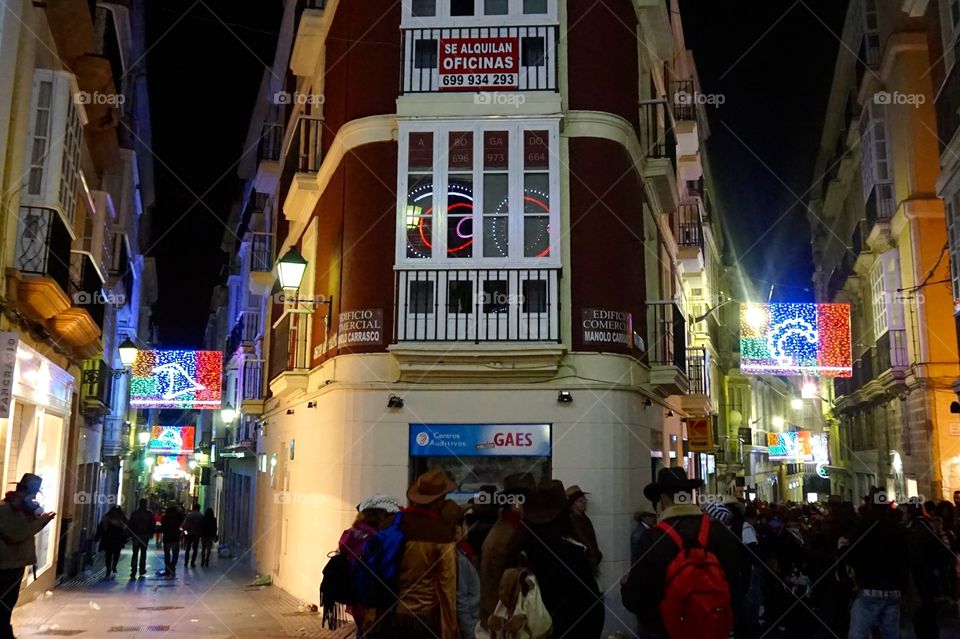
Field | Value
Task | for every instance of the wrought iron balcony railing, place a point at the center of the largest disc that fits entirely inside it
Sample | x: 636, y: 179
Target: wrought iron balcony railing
x: 668, y: 335
x: 289, y: 345
x: 657, y: 128
x: 252, y: 382
x: 698, y: 370
x: 477, y: 305
x: 43, y: 245
x: 261, y: 254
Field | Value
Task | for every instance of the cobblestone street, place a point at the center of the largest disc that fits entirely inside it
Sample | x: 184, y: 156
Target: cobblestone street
x: 201, y: 602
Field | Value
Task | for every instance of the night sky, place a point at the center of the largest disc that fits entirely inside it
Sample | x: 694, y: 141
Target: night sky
x: 774, y: 76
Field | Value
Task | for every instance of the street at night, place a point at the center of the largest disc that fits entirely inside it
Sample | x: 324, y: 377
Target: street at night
x: 480, y: 319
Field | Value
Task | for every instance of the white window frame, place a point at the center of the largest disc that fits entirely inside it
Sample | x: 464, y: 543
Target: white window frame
x: 953, y: 240
x: 874, y: 138
x: 441, y: 130
x: 878, y: 298
x: 513, y: 17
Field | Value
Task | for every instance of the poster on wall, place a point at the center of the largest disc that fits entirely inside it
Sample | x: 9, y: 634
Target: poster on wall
x: 480, y: 440
x: 471, y: 64
x: 362, y: 327
x: 8, y: 362
x: 796, y: 339
x: 600, y: 327
x: 176, y: 379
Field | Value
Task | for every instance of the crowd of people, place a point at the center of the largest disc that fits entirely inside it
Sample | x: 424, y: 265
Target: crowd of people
x: 526, y: 564
x: 193, y: 531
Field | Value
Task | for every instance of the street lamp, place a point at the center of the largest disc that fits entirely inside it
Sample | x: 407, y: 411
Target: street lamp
x: 150, y: 461
x: 143, y: 437
x: 128, y: 352
x: 796, y: 403
x: 228, y: 413
x: 777, y: 421
x: 291, y: 268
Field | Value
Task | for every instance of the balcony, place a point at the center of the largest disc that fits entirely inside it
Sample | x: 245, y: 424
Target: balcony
x: 477, y: 305
x: 116, y: 437
x: 660, y: 149
x: 308, y: 45
x: 251, y: 387
x: 96, y: 386
x: 697, y: 400
x: 42, y: 259
x: 892, y: 357
x: 301, y: 163
x: 948, y: 108
x: 244, y: 333
x: 269, y: 153
x: 688, y: 231
x: 666, y: 351
x: 536, y: 68
x: 730, y: 452
x: 261, y: 263
x: 290, y: 353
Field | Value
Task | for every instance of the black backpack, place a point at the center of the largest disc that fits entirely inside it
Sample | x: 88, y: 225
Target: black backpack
x: 336, y: 590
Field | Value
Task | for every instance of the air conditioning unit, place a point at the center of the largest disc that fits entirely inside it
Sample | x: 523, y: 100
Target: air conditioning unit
x: 54, y: 138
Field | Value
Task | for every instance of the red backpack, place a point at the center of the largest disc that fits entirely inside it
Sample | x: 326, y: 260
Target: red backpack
x: 696, y: 599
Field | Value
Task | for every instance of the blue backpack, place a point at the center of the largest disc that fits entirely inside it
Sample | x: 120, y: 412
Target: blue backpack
x: 376, y: 573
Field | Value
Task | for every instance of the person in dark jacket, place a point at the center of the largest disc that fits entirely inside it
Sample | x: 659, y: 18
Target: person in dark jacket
x: 583, y: 527
x: 141, y: 529
x: 170, y: 527
x: 112, y: 535
x: 21, y: 518
x: 672, y: 493
x: 561, y: 563
x: 208, y: 535
x: 878, y: 557
x: 191, y: 531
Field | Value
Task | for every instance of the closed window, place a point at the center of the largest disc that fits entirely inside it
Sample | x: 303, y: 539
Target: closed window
x: 425, y: 54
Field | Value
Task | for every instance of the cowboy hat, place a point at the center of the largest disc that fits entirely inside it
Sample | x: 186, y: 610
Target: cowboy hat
x: 546, y: 503
x: 380, y: 502
x: 519, y: 484
x: 574, y: 493
x: 29, y: 483
x: 670, y: 479
x: 429, y: 487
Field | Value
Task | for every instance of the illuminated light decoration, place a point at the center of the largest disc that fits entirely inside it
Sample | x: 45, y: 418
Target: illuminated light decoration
x: 171, y: 440
x: 795, y: 339
x: 798, y: 446
x: 176, y: 379
x: 417, y: 220
x: 822, y: 471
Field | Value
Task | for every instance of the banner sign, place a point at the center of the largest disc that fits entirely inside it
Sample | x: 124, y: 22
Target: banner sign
x: 606, y: 328
x: 699, y: 435
x: 480, y: 440
x: 798, y: 446
x: 176, y: 379
x: 173, y: 440
x: 8, y: 362
x: 470, y: 64
x: 363, y: 327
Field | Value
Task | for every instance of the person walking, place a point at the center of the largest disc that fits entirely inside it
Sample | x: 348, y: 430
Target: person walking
x: 21, y: 518
x: 170, y: 528
x: 112, y: 535
x: 681, y: 526
x: 501, y: 546
x: 208, y: 535
x: 583, y: 527
x: 562, y: 564
x: 141, y: 529
x: 426, y: 606
x: 879, y: 582
x: 158, y: 528
x: 468, y: 585
x: 191, y: 532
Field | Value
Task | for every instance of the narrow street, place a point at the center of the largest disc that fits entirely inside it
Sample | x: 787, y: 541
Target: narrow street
x: 201, y: 602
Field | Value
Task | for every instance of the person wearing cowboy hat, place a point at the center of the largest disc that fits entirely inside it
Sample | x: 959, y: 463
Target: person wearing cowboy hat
x: 21, y: 518
x: 672, y: 496
x: 501, y: 546
x: 427, y: 577
x: 582, y: 526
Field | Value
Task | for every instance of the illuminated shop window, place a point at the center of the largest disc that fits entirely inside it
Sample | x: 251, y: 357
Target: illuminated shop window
x: 499, y: 205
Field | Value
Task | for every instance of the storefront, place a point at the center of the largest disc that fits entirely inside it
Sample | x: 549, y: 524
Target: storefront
x: 476, y: 455
x: 34, y: 438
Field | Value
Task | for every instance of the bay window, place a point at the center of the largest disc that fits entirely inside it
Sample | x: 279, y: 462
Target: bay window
x: 500, y: 182
x: 418, y: 11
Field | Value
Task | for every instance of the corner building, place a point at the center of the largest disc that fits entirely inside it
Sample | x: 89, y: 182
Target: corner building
x: 478, y: 242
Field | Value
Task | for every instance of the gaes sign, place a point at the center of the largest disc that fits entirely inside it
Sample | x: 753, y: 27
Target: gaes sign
x: 479, y: 440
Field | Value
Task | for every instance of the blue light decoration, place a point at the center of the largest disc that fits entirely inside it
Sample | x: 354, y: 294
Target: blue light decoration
x: 176, y: 379
x: 171, y: 440
x: 796, y: 339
